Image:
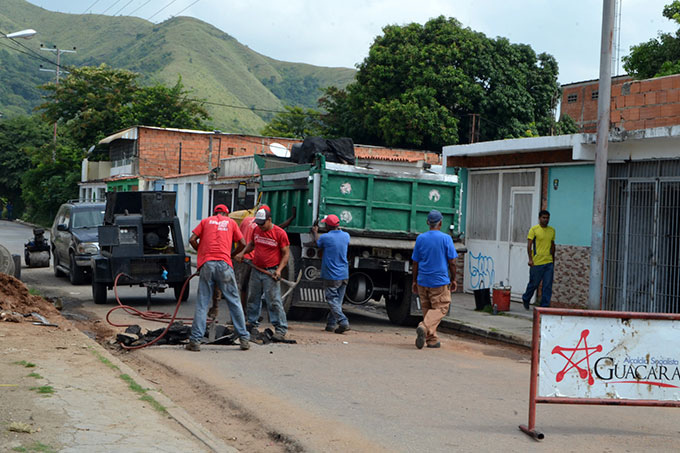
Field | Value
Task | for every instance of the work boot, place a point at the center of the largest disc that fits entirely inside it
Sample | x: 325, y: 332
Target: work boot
x: 435, y: 345
x: 244, y: 344
x: 342, y: 328
x: 420, y: 337
x: 526, y: 304
x: 193, y: 346
x: 278, y: 336
x: 330, y: 328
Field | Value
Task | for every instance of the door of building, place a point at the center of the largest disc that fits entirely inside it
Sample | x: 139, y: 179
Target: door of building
x: 521, y: 210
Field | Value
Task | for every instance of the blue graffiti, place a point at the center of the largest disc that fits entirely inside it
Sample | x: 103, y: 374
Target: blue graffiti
x: 482, y: 271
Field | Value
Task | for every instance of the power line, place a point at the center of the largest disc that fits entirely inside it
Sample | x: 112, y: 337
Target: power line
x: 90, y: 7
x: 124, y: 6
x: 112, y: 5
x: 31, y: 53
x: 139, y: 7
x: 173, y: 1
x: 177, y: 14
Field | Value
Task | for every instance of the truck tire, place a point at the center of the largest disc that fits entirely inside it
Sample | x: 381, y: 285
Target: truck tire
x: 177, y: 287
x: 75, y: 274
x: 398, y: 309
x: 99, y: 293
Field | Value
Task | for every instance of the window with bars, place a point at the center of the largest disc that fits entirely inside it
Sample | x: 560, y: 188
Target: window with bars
x: 571, y: 98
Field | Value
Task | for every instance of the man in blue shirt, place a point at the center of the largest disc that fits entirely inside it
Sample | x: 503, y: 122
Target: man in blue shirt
x: 334, y: 270
x: 434, y: 278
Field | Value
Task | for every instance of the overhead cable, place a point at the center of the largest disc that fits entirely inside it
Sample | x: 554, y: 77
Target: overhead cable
x: 173, y: 1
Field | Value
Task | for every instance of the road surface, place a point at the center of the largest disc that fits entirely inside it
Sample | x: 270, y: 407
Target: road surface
x: 369, y: 389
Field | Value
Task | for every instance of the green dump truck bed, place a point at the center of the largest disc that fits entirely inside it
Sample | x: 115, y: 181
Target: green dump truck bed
x: 369, y: 202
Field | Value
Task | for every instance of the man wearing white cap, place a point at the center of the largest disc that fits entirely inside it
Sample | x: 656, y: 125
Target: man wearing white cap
x: 213, y: 239
x: 271, y: 251
x: 334, y: 270
x: 434, y: 278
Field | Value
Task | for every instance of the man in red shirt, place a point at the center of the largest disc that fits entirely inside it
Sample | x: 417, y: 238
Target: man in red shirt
x: 270, y: 247
x: 213, y: 239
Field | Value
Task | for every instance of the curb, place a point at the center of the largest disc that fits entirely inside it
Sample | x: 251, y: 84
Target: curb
x: 498, y: 335
x: 177, y: 413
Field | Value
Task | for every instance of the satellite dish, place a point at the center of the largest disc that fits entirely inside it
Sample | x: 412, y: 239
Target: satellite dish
x: 279, y: 150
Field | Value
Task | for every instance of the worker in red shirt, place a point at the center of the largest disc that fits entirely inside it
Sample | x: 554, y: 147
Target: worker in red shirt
x: 213, y: 239
x: 270, y: 247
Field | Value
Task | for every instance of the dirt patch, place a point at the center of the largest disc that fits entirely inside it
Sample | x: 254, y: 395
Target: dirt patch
x: 15, y: 297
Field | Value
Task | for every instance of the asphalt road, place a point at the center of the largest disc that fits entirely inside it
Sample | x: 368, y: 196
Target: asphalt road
x: 371, y: 390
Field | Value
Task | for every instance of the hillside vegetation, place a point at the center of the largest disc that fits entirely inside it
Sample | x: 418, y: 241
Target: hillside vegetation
x: 212, y: 64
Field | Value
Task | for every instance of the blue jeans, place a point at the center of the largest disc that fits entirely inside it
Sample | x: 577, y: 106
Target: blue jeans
x: 220, y: 273
x: 538, y: 274
x: 260, y: 284
x: 335, y: 293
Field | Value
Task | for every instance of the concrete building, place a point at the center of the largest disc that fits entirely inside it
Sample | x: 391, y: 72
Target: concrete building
x: 507, y: 182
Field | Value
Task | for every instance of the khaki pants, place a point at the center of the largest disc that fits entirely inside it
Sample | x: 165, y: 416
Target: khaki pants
x: 435, y: 304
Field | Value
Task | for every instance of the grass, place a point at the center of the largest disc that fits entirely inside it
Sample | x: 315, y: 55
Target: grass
x: 35, y: 375
x: 43, y: 389
x: 25, y: 364
x: 37, y: 446
x: 132, y: 385
x: 34, y: 292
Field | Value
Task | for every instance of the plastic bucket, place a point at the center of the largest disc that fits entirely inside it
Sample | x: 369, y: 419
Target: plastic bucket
x: 482, y: 298
x: 501, y: 297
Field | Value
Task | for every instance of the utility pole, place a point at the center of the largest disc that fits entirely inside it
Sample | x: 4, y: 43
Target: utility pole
x: 473, y: 131
x: 600, y: 189
x: 57, y: 71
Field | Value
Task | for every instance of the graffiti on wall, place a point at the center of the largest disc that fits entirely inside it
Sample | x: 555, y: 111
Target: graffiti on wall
x: 482, y: 271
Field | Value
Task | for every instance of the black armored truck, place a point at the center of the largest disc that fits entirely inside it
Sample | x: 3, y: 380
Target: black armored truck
x: 140, y: 245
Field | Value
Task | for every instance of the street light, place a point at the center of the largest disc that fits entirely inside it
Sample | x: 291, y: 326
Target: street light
x: 26, y: 34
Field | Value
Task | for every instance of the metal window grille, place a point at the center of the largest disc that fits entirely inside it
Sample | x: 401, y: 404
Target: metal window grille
x: 483, y: 206
x: 642, y: 247
x: 571, y: 98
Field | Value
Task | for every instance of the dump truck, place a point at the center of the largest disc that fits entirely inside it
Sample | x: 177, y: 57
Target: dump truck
x: 383, y: 210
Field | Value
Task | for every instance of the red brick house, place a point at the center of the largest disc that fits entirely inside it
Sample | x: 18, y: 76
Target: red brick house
x: 635, y: 104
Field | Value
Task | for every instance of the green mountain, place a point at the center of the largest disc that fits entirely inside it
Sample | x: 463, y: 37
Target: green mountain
x: 212, y: 64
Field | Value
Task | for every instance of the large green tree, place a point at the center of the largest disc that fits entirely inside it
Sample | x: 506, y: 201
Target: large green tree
x: 18, y: 137
x: 295, y: 122
x: 659, y: 56
x: 422, y: 86
x: 93, y: 102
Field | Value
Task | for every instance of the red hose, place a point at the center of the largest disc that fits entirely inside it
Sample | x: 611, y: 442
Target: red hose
x: 147, y: 315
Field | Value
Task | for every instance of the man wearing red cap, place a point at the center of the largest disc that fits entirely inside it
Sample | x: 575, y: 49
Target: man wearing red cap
x: 213, y: 239
x: 334, y: 270
x: 271, y: 251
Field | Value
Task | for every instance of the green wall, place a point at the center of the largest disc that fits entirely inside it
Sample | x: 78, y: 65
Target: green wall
x: 571, y: 204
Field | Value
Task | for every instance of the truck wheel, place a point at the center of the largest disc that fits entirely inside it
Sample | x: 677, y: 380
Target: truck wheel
x: 398, y: 309
x: 99, y: 293
x: 177, y: 287
x: 75, y: 274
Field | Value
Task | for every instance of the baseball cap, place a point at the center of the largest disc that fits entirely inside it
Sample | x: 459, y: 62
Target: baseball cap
x: 434, y: 216
x: 221, y: 208
x: 331, y: 220
x: 266, y: 208
x: 261, y: 216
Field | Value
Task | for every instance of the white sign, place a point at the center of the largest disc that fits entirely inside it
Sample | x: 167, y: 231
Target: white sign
x: 609, y: 358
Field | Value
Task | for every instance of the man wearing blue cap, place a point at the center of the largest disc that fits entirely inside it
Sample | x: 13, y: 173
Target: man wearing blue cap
x: 434, y: 278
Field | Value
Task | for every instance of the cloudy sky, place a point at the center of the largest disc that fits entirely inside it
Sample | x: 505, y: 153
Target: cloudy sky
x: 340, y: 32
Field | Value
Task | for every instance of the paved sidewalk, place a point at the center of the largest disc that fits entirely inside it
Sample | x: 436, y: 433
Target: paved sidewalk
x: 512, y: 326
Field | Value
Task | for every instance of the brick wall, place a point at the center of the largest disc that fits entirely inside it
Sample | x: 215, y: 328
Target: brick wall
x: 635, y: 104
x: 159, y: 151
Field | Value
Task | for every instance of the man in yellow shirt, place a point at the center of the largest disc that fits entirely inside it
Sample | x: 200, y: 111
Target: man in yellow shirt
x: 541, y: 251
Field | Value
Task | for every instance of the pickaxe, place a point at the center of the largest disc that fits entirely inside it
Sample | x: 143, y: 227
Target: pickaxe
x: 291, y: 285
